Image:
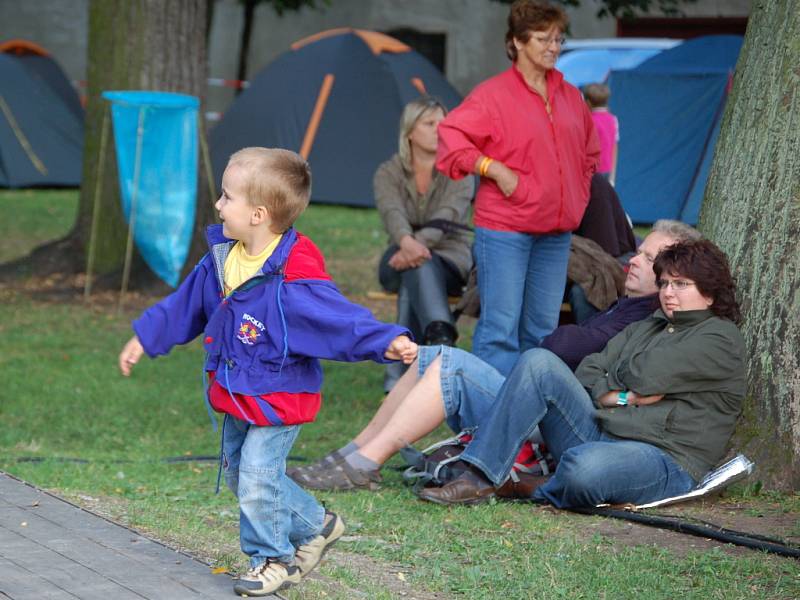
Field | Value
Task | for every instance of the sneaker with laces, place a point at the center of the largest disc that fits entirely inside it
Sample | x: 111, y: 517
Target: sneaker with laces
x: 308, y: 555
x: 266, y: 578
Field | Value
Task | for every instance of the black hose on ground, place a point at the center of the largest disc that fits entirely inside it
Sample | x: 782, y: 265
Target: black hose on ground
x: 729, y: 536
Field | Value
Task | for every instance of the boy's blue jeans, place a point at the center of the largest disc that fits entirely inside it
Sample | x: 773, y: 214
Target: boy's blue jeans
x: 521, y: 280
x: 275, y: 514
x: 593, y: 467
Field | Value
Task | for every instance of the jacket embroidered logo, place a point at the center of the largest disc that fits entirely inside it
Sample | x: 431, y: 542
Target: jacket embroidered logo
x: 249, y: 330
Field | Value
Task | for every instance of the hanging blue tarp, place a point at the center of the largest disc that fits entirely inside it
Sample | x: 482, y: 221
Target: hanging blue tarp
x: 156, y: 142
x: 669, y: 110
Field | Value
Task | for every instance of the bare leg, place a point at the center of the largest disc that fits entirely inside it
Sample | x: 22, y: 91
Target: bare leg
x: 389, y: 406
x: 419, y: 411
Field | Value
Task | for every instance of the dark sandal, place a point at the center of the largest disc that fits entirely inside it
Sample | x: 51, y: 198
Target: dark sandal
x: 340, y: 476
x: 321, y: 465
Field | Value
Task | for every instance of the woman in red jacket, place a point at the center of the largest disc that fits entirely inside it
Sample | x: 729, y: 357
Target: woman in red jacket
x: 530, y: 137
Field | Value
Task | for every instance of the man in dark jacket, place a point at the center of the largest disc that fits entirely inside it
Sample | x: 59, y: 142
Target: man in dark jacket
x: 643, y: 420
x: 413, y: 407
x: 571, y: 343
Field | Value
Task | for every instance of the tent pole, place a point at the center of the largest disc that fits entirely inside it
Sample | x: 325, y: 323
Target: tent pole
x: 206, y: 157
x: 126, y: 270
x: 87, y: 288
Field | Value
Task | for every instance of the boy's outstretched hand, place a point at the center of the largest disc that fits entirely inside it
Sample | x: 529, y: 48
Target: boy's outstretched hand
x: 130, y: 355
x: 402, y: 348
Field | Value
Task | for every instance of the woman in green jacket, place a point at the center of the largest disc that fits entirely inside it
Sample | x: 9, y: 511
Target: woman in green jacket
x: 643, y: 420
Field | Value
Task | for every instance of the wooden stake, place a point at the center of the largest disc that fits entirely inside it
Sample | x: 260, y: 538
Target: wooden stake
x: 101, y: 163
x: 201, y: 132
x: 126, y: 270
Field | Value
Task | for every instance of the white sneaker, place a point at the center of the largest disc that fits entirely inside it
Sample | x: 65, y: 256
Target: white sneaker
x: 308, y: 555
x: 266, y: 578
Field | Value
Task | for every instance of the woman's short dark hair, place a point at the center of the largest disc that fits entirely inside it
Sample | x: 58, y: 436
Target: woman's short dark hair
x: 706, y: 265
x: 526, y: 16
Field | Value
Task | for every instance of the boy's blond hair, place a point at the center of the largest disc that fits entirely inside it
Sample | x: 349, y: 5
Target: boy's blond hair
x: 278, y: 179
x: 596, y: 94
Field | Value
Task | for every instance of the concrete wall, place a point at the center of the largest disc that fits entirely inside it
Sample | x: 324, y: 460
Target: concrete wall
x: 60, y: 26
x: 474, y: 31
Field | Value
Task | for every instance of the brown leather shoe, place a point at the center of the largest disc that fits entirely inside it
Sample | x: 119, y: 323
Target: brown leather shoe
x: 522, y: 488
x: 467, y: 488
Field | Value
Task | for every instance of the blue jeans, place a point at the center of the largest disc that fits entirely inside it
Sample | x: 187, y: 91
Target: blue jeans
x: 582, y: 309
x: 422, y: 297
x: 521, y: 280
x: 469, y: 385
x: 593, y: 467
x: 275, y: 514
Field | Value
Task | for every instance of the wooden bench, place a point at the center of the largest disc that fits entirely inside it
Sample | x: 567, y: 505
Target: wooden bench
x: 381, y: 295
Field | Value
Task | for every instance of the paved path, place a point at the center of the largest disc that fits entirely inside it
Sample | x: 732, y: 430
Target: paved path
x: 52, y: 549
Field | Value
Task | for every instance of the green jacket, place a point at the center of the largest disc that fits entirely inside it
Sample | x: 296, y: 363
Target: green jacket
x: 697, y: 361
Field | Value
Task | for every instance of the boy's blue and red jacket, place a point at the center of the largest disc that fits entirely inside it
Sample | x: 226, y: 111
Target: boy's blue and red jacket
x: 264, y: 340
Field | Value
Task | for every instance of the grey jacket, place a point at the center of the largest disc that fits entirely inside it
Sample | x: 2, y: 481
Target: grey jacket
x: 697, y: 360
x: 403, y: 210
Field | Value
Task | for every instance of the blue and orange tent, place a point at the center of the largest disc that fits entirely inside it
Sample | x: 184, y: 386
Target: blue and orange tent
x: 336, y: 98
x: 41, y: 120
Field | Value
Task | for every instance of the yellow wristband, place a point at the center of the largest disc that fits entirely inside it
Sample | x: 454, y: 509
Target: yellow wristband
x: 484, y: 169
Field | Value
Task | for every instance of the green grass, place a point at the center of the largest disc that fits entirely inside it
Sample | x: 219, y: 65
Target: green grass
x: 29, y: 218
x: 72, y: 424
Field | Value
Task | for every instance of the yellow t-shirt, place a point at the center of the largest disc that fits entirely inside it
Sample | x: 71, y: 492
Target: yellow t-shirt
x: 240, y: 266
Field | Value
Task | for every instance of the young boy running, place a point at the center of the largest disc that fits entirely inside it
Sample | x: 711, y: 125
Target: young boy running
x: 268, y: 311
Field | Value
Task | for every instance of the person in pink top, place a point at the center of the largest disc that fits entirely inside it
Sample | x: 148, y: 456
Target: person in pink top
x: 607, y: 126
x: 529, y: 135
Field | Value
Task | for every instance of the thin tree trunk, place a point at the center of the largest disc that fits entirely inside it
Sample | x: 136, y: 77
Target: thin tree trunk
x: 244, y: 48
x: 752, y: 209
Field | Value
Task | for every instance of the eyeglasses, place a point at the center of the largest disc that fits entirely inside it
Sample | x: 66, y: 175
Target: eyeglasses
x: 558, y: 41
x: 676, y: 284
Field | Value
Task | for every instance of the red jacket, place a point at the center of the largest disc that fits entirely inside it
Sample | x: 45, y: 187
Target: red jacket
x: 554, y: 155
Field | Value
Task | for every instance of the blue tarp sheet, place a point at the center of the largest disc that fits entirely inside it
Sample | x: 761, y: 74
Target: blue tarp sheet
x: 156, y: 142
x: 669, y: 109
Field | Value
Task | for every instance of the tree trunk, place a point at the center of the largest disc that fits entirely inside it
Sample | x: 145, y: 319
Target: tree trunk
x: 752, y: 210
x: 244, y: 47
x: 134, y: 45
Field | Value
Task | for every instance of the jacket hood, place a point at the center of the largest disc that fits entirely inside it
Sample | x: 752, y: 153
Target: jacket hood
x: 215, y: 238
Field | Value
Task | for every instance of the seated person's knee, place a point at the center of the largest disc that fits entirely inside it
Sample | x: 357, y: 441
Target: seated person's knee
x: 538, y: 358
x: 582, y: 471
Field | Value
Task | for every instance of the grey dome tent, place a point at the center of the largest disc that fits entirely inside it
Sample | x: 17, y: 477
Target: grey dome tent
x: 41, y: 120
x: 335, y: 97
